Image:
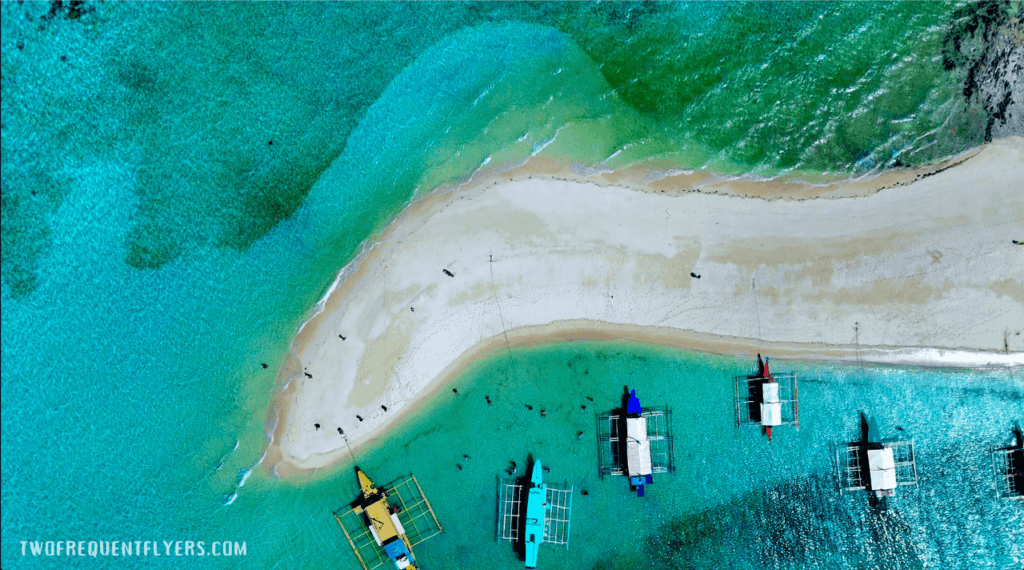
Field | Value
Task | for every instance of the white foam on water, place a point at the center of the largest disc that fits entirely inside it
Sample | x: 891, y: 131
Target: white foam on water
x: 245, y: 473
x: 917, y: 356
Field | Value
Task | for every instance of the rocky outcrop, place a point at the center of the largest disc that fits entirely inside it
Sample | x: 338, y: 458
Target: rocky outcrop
x: 986, y: 39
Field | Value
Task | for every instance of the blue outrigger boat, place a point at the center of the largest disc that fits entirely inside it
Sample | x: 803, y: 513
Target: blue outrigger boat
x: 536, y: 510
x: 638, y: 446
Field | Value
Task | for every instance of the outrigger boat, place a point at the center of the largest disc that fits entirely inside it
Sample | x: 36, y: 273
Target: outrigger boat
x: 875, y: 464
x: 533, y: 514
x: 382, y: 522
x: 536, y: 507
x: 766, y: 399
x: 635, y: 441
x: 638, y: 446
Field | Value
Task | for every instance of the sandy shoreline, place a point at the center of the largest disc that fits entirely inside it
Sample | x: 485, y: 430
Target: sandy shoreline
x: 921, y: 274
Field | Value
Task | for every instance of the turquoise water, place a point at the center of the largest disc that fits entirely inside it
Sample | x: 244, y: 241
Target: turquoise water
x: 227, y: 120
x: 735, y: 500
x: 181, y: 182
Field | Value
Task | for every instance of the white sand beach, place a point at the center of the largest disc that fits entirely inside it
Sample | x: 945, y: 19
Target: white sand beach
x: 921, y: 271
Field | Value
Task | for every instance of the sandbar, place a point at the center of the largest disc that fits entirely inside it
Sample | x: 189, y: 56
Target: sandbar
x: 916, y: 267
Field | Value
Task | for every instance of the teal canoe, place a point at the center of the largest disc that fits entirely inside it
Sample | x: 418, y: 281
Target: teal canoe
x: 536, y: 508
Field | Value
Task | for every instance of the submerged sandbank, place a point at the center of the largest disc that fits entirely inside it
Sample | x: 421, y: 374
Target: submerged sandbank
x: 922, y: 274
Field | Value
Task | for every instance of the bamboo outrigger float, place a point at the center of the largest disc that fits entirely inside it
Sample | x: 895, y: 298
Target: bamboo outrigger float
x: 383, y: 525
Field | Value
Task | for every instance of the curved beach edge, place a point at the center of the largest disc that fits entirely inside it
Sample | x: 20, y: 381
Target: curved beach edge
x: 570, y: 331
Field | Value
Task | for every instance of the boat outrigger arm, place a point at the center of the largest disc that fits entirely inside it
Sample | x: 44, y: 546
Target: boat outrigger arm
x: 383, y: 523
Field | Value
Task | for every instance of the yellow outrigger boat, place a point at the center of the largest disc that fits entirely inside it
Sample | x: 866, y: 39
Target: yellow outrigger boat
x: 382, y: 522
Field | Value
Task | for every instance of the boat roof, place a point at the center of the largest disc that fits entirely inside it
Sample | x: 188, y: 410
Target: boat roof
x: 771, y: 413
x: 395, y: 548
x: 883, y: 469
x: 380, y: 518
x: 376, y: 507
x: 638, y: 447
